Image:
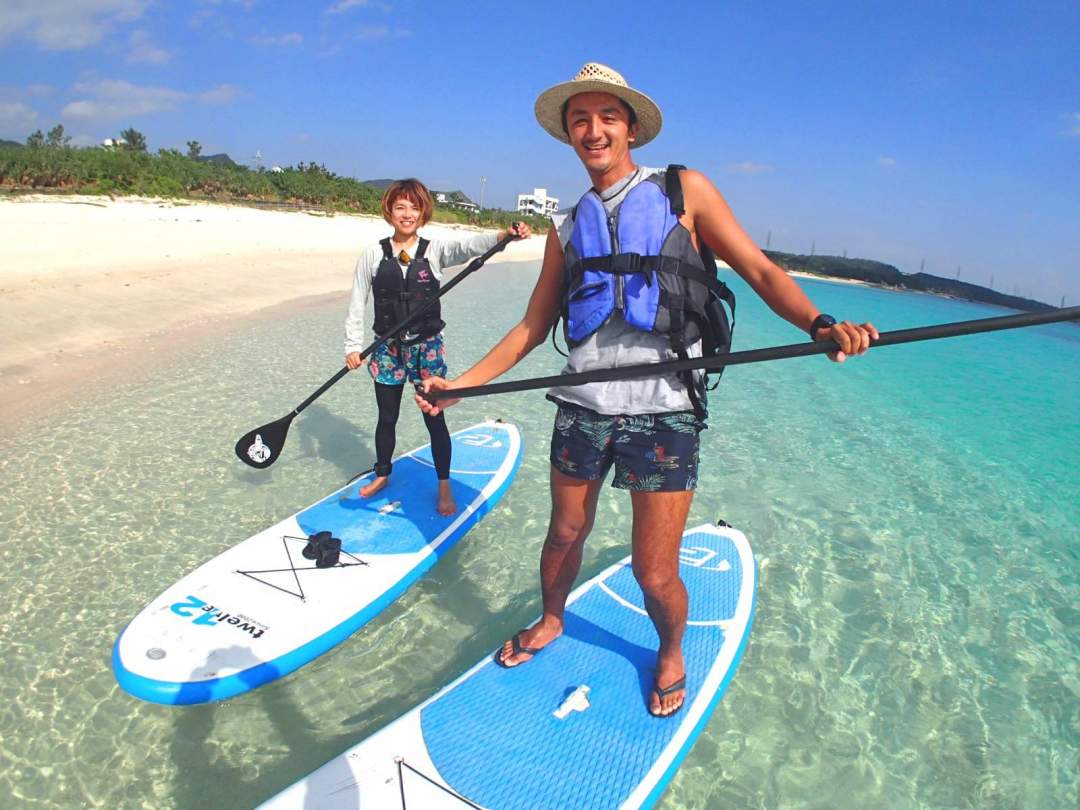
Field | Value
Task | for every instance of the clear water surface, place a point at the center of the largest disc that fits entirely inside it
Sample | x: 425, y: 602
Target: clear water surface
x: 915, y: 514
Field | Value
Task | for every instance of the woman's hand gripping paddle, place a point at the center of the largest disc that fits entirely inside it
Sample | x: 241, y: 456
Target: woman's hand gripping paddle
x: 261, y: 447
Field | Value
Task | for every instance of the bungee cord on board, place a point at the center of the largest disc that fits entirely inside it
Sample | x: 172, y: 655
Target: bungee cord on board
x: 401, y: 763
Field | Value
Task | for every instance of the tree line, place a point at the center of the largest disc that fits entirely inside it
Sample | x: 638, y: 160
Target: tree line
x: 127, y: 167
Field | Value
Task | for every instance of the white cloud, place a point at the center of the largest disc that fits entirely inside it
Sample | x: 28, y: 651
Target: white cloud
x: 210, y: 9
x: 144, y: 51
x: 749, y: 167
x: 369, y: 32
x: 284, y: 40
x: 65, y: 24
x: 373, y: 31
x: 222, y: 94
x: 16, y: 117
x: 342, y: 6
x: 112, y: 98
x: 887, y: 162
x: 11, y: 92
x: 197, y: 19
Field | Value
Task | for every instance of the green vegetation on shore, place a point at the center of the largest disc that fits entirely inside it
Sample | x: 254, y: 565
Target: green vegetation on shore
x: 48, y: 164
x: 888, y: 276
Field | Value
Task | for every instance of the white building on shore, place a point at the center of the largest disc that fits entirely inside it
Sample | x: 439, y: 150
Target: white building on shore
x: 455, y: 199
x: 538, y: 203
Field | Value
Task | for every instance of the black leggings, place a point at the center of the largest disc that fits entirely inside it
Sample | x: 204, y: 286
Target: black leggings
x: 388, y: 398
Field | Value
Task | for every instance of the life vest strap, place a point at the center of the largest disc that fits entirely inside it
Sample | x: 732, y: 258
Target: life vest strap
x: 714, y: 284
x: 388, y: 252
x: 673, y: 189
x: 621, y: 263
x: 628, y: 263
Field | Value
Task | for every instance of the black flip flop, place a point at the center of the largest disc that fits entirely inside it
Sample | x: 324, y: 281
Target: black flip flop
x: 663, y: 693
x: 518, y: 649
x: 311, y: 550
x: 329, y: 553
x: 324, y: 549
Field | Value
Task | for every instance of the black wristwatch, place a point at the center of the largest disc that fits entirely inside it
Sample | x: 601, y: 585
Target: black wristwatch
x: 822, y: 321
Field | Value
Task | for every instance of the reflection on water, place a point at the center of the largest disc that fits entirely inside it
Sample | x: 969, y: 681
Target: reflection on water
x: 915, y: 641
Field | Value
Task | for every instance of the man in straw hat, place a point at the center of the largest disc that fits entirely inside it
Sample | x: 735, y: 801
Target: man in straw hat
x: 630, y: 270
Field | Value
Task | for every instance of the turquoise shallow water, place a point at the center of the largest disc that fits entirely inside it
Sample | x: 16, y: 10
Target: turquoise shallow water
x: 915, y: 513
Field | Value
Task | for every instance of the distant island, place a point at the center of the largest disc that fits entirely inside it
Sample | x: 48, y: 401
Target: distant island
x: 885, y: 275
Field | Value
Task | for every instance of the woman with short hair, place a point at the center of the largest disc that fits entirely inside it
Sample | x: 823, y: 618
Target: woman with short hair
x: 402, y: 272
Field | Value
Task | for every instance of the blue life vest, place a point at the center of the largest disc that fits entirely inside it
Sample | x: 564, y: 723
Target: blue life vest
x: 641, y: 262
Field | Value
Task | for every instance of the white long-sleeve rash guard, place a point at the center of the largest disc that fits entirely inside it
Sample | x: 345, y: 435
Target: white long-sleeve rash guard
x: 441, y: 254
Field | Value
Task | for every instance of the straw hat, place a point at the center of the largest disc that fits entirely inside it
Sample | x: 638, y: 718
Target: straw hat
x: 597, y: 78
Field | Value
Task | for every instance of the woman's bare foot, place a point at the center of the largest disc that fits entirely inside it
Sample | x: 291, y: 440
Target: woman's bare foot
x: 446, y: 505
x: 377, y: 484
x: 535, y: 638
x: 666, y: 698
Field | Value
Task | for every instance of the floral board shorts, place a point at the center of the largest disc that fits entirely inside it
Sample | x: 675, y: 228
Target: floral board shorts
x: 393, y: 364
x: 653, y: 452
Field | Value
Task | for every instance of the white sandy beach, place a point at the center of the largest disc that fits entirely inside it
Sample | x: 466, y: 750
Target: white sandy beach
x: 830, y: 279
x: 90, y: 285
x: 87, y: 282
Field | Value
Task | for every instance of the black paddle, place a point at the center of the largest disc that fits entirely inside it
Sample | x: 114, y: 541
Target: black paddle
x: 261, y: 447
x: 759, y: 355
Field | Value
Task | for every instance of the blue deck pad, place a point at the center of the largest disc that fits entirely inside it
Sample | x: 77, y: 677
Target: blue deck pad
x: 494, y: 737
x: 706, y: 560
x: 370, y: 526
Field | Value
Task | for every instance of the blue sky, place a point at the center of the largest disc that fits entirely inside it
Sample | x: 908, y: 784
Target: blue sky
x: 944, y: 133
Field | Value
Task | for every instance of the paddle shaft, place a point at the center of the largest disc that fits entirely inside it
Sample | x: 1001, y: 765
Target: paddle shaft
x: 760, y: 355
x: 397, y: 328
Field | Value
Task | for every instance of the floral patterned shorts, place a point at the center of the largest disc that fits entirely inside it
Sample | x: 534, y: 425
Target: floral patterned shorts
x: 653, y: 452
x: 393, y: 364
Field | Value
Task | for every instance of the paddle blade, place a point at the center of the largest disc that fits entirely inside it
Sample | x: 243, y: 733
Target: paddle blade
x: 261, y: 447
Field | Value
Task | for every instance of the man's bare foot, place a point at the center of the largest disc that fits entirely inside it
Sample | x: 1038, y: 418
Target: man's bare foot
x: 529, y: 643
x: 377, y: 484
x: 446, y: 505
x: 667, y: 697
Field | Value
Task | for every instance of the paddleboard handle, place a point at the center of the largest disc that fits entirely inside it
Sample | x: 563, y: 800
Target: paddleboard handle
x: 576, y: 701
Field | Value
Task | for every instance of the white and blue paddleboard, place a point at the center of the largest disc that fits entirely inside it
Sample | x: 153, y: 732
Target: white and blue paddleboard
x: 570, y: 727
x: 261, y: 610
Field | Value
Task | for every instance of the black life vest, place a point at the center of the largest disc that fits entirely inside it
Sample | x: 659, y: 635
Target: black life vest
x: 397, y: 296
x: 640, y: 261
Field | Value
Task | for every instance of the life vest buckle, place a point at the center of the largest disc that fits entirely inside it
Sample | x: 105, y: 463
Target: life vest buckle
x: 626, y: 263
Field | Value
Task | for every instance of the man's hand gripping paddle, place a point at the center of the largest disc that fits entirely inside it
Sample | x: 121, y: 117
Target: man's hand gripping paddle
x: 642, y: 370
x: 261, y: 447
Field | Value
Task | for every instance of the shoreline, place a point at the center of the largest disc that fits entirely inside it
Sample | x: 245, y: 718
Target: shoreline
x: 831, y: 279
x: 52, y: 386
x: 92, y: 287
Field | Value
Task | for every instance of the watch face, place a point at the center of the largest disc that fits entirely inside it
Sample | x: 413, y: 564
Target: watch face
x: 821, y: 322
